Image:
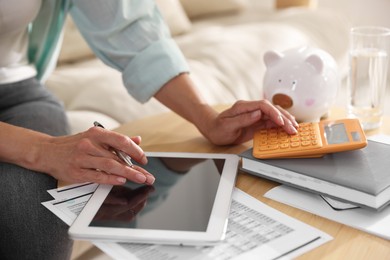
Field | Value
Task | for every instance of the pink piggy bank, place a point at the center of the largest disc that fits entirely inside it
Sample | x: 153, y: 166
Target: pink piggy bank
x: 304, y: 81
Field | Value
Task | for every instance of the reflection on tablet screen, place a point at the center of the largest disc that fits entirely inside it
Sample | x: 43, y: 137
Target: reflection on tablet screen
x: 181, y: 198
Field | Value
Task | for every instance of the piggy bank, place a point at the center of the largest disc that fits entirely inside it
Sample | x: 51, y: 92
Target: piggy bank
x: 304, y: 81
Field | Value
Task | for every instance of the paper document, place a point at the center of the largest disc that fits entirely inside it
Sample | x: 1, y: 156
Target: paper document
x: 370, y: 221
x: 254, y: 230
x: 73, y: 191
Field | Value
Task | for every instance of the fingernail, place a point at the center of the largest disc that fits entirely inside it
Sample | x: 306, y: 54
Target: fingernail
x: 150, y: 179
x: 144, y: 160
x: 256, y: 114
x: 121, y: 179
x: 293, y: 129
x: 140, y: 178
x: 280, y: 119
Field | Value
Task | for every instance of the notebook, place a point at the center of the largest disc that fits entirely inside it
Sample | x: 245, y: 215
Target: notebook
x: 361, y: 177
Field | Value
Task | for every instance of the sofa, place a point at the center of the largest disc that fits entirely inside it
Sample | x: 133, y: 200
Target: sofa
x: 223, y: 41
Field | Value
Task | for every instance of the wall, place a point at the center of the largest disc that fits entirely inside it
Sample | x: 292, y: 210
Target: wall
x: 361, y: 12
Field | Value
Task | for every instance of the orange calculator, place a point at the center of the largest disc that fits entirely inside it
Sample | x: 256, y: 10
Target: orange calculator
x: 313, y: 139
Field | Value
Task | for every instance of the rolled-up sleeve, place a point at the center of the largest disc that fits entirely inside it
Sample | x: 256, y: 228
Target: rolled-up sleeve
x: 131, y: 36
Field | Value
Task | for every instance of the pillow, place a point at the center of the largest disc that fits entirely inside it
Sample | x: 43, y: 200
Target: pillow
x: 174, y: 15
x: 196, y: 8
x: 279, y: 4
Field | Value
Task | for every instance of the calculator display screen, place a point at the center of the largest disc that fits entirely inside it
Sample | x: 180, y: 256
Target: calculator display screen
x: 336, y: 133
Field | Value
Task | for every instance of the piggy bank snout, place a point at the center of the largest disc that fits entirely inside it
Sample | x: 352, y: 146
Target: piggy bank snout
x: 282, y: 100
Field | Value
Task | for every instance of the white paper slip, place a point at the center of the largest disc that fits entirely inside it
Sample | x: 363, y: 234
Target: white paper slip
x: 67, y: 209
x: 73, y: 191
x: 62, y: 186
x: 373, y: 222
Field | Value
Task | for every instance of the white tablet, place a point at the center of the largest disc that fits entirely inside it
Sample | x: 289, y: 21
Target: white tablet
x: 188, y: 204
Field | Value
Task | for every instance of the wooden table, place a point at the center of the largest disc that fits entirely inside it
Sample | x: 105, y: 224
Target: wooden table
x: 169, y: 132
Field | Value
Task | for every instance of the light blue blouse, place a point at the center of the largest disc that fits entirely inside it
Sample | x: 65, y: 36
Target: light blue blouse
x: 128, y: 35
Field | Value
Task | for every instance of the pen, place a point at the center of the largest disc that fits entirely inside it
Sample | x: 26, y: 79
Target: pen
x: 123, y: 156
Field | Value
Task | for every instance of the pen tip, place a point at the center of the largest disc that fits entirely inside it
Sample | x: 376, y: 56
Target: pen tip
x: 96, y: 123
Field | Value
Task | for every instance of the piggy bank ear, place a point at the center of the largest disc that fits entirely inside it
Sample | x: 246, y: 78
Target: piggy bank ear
x: 272, y: 57
x: 316, y: 62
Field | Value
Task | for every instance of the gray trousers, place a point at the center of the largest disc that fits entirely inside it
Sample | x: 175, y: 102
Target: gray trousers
x: 27, y: 229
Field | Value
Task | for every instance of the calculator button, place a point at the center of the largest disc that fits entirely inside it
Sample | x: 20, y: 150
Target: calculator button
x: 294, y: 139
x: 295, y: 144
x: 273, y: 136
x: 273, y: 147
x: 284, y: 146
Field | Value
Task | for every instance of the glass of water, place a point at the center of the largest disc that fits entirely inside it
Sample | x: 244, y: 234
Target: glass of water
x: 368, y: 61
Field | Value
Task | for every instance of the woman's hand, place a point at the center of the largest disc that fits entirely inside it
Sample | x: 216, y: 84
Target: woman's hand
x: 238, y: 123
x: 88, y: 157
x: 234, y: 125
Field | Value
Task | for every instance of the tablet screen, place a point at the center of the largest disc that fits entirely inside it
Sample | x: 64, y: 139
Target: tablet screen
x: 181, y: 198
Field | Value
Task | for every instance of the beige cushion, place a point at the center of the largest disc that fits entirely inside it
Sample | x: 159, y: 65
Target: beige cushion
x: 74, y: 47
x: 295, y: 3
x: 196, y: 8
x: 175, y: 16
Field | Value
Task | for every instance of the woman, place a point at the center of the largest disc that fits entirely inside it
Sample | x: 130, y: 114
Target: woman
x: 36, y: 149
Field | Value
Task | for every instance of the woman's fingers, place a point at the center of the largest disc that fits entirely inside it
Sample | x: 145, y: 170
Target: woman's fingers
x: 89, y: 156
x: 113, y: 171
x: 111, y: 140
x: 254, y: 113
